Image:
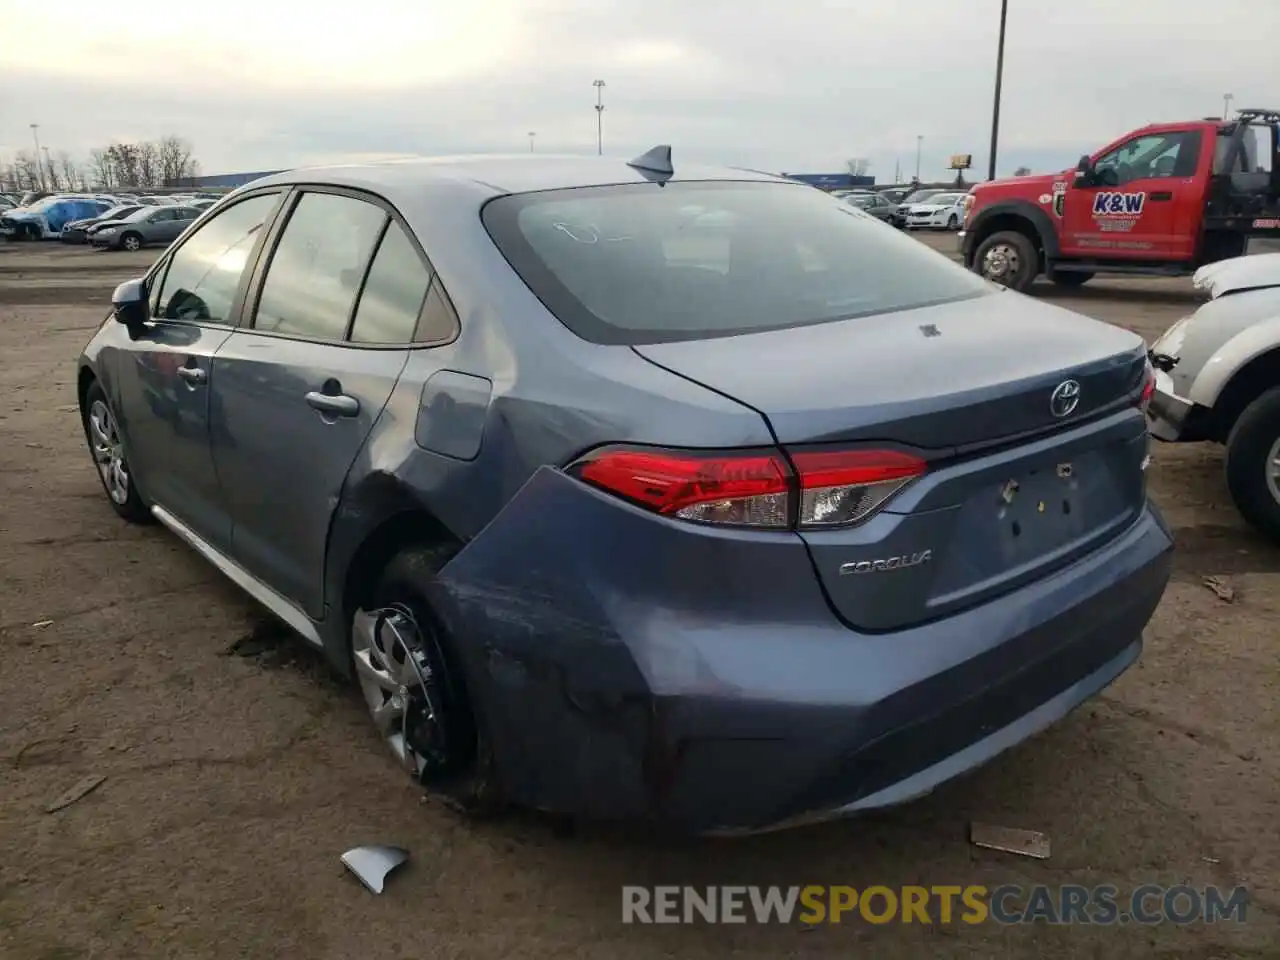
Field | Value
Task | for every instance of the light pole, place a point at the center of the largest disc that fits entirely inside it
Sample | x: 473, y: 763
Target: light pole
x: 35, y: 135
x: 599, y: 85
x: 919, y: 141
x: 532, y: 134
x: 995, y: 106
x: 1226, y: 104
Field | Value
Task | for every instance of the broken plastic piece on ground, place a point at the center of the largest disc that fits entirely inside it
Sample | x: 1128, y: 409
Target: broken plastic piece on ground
x: 77, y: 791
x: 371, y: 864
x: 1224, y: 590
x: 1025, y: 843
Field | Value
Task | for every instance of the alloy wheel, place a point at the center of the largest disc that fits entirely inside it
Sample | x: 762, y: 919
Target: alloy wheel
x: 132, y: 244
x: 400, y: 689
x: 108, y: 452
x: 1273, y: 471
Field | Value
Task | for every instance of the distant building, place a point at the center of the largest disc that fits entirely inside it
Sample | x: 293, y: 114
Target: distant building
x: 832, y: 181
x: 221, y: 180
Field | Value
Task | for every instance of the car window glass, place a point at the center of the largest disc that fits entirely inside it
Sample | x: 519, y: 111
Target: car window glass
x: 317, y: 267
x: 1156, y: 155
x: 438, y: 321
x: 393, y: 293
x: 204, y: 273
x: 699, y: 260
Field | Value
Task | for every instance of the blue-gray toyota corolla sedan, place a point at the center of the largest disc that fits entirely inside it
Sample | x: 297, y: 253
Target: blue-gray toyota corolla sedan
x: 620, y: 490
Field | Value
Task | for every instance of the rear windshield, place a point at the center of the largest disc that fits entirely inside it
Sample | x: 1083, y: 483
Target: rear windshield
x: 643, y: 263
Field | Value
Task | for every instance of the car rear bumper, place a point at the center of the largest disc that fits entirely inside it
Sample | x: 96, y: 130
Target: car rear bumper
x: 632, y: 667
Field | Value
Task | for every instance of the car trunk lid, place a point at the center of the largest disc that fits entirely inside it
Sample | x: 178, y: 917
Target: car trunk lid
x: 1024, y: 474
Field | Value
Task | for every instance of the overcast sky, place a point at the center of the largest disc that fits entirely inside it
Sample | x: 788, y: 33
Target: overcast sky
x: 783, y: 85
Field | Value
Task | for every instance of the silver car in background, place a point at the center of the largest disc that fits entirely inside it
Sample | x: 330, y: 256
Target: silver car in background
x: 144, y: 227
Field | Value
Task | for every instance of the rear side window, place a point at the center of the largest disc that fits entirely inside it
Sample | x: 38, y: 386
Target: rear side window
x: 317, y: 266
x: 643, y: 263
x: 393, y: 292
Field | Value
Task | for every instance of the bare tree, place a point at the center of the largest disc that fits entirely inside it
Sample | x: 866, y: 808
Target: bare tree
x: 27, y: 171
x: 51, y: 177
x: 148, y: 164
x: 124, y: 163
x: 67, y: 170
x: 176, y: 160
x: 101, y: 168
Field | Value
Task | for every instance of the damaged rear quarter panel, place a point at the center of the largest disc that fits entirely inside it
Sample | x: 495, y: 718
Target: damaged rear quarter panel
x: 591, y: 628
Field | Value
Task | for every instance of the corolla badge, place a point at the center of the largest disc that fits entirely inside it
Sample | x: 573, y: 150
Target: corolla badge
x: 1065, y: 398
x: 886, y: 564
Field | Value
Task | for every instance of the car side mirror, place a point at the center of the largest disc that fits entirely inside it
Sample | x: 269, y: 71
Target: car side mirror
x: 1084, y: 171
x: 129, y: 303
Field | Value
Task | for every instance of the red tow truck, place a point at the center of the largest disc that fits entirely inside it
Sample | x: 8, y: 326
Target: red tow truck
x: 1162, y: 200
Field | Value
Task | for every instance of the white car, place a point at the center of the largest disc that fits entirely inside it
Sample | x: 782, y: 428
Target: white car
x: 942, y: 211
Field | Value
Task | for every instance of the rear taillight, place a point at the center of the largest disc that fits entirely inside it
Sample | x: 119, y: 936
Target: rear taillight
x: 753, y: 489
x: 1148, y: 387
x: 839, y: 488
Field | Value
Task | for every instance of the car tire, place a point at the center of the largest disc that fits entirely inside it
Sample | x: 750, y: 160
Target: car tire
x: 1070, y: 278
x: 30, y: 232
x: 131, y: 242
x: 1253, y: 464
x: 102, y: 433
x: 953, y: 222
x: 1013, y: 255
x: 440, y: 743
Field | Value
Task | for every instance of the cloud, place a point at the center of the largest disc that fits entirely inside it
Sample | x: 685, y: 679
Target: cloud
x: 797, y: 86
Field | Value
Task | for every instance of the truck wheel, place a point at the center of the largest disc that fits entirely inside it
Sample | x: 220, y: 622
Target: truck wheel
x: 1009, y: 259
x: 1253, y: 464
x: 1070, y: 278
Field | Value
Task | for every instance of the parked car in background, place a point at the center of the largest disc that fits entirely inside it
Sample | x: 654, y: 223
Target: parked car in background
x: 414, y: 409
x: 941, y: 211
x: 1218, y: 379
x: 202, y: 203
x: 873, y: 204
x: 143, y: 228
x: 77, y: 231
x: 44, y: 219
x: 895, y: 195
x: 914, y: 197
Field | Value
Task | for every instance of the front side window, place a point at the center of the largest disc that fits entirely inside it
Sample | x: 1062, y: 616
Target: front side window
x: 391, y: 300
x: 317, y: 266
x: 204, y: 273
x: 648, y: 264
x: 1153, y: 156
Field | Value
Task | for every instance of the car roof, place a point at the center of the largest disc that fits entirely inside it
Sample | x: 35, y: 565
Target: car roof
x: 491, y: 175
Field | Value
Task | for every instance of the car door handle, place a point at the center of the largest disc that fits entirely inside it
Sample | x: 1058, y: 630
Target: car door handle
x: 193, y: 375
x: 339, y: 403
x: 1162, y: 195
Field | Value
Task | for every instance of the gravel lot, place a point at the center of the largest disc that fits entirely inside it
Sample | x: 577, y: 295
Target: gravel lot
x: 237, y: 770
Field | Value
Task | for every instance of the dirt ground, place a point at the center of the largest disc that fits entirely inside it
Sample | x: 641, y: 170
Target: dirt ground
x: 237, y: 771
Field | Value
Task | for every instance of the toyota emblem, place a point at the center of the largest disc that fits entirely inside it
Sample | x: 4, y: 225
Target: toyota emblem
x: 1065, y: 398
